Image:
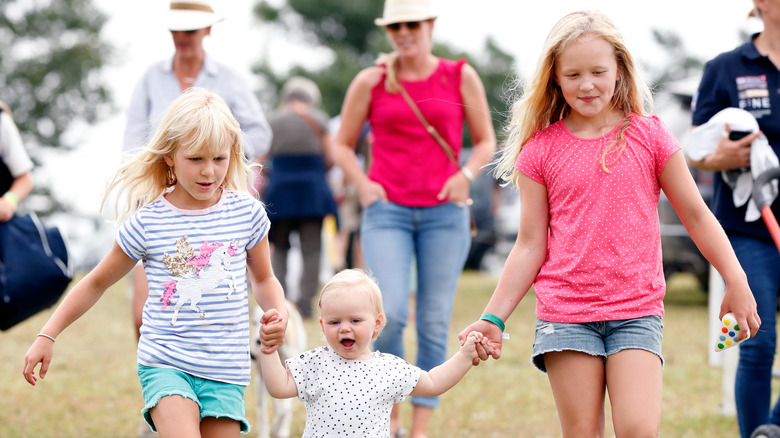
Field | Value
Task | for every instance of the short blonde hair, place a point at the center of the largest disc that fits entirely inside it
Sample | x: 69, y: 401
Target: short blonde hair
x: 197, y: 119
x: 351, y: 281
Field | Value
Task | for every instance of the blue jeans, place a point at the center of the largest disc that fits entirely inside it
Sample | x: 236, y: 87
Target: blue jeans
x: 598, y: 338
x: 438, y: 239
x: 761, y: 261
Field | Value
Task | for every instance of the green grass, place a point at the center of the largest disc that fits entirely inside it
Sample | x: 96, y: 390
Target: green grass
x: 92, y: 389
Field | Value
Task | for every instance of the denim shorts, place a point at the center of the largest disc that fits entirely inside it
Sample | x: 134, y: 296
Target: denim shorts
x: 214, y: 399
x: 602, y: 338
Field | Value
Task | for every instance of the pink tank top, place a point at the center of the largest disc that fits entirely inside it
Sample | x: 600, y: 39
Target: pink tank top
x: 406, y: 160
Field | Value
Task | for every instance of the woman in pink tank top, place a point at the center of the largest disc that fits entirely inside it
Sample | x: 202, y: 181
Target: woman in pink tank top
x: 415, y: 193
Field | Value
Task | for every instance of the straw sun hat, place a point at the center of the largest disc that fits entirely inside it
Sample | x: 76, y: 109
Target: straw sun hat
x: 401, y: 11
x: 191, y: 15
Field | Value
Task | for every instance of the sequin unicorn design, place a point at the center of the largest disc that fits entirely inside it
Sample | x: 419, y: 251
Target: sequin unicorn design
x: 198, y: 273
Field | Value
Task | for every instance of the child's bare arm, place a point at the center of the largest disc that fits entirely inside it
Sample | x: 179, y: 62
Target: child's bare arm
x: 440, y: 379
x: 522, y: 265
x: 277, y: 378
x: 115, y: 265
x: 707, y: 233
x: 268, y: 293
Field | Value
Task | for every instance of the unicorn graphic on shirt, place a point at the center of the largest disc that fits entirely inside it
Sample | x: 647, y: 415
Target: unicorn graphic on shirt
x: 197, y: 273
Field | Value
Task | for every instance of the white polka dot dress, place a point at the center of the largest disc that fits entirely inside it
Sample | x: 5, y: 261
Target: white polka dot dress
x: 604, y: 245
x: 350, y: 398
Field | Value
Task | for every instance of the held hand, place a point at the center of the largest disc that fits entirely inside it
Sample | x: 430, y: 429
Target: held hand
x: 456, y: 189
x: 491, y: 342
x: 740, y: 302
x: 272, y: 329
x: 732, y: 154
x: 369, y: 192
x: 469, y: 347
x: 40, y: 352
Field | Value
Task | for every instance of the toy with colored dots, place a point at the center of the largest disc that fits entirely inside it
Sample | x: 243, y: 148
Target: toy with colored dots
x: 729, y: 330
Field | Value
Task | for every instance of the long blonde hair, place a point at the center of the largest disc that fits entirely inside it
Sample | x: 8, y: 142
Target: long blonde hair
x: 542, y: 103
x: 197, y: 119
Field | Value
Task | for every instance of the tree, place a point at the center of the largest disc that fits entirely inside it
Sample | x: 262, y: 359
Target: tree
x: 346, y: 28
x: 49, y: 64
x: 682, y: 65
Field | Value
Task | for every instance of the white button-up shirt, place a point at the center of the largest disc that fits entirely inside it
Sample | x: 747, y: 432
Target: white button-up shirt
x: 158, y: 88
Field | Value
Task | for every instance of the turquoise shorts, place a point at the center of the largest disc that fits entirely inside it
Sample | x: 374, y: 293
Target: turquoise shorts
x: 214, y: 399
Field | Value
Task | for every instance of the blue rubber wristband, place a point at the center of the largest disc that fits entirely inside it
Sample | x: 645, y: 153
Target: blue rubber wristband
x: 494, y: 319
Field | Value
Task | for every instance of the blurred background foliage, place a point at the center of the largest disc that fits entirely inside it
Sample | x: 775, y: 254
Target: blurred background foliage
x: 50, y: 67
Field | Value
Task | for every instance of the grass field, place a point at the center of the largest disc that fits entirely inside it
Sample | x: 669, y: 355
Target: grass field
x: 92, y: 389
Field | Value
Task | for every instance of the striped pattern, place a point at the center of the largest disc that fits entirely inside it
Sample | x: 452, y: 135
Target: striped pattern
x: 217, y: 346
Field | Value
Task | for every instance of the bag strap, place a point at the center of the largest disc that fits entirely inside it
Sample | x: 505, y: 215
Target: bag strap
x: 66, y: 269
x: 428, y: 127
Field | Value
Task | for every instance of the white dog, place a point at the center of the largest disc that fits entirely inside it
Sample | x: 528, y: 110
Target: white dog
x: 294, y: 344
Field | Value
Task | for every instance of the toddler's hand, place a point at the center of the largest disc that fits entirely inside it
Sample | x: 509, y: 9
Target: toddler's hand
x: 490, y: 345
x: 469, y: 347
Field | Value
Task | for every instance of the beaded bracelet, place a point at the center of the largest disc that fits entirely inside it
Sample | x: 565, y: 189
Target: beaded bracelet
x: 494, y: 319
x: 46, y: 336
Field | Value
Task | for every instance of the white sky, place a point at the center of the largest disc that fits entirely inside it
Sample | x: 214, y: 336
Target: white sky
x: 519, y: 27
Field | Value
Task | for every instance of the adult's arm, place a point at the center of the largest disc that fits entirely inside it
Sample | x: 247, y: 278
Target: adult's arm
x: 15, y: 157
x: 246, y: 109
x: 715, y: 94
x: 730, y: 154
x: 478, y: 119
x: 137, y: 125
x: 480, y: 124
x: 20, y: 188
x: 354, y: 113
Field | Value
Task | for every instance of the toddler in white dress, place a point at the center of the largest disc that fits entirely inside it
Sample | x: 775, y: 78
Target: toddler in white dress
x: 349, y: 390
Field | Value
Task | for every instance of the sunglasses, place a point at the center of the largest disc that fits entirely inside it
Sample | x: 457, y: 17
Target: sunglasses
x: 411, y: 25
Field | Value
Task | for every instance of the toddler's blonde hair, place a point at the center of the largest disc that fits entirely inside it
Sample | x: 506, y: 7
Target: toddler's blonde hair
x: 355, y: 281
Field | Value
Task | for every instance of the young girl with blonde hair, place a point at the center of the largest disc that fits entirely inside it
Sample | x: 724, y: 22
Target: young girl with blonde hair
x: 197, y: 232
x: 590, y: 164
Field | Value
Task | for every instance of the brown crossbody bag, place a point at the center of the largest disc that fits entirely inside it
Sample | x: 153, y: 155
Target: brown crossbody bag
x: 444, y: 145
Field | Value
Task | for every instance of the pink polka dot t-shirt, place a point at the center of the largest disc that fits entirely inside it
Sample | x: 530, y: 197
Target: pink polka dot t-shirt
x: 604, y: 245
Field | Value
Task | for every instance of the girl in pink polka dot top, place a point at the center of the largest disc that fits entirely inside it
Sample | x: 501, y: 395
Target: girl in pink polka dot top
x: 590, y: 163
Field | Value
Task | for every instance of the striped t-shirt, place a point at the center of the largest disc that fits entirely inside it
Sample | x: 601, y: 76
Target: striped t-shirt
x: 196, y: 318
